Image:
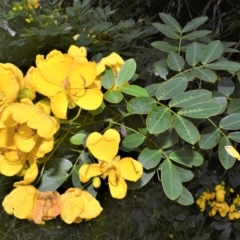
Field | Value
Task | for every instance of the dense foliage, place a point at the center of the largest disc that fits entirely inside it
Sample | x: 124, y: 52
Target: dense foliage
x: 162, y: 93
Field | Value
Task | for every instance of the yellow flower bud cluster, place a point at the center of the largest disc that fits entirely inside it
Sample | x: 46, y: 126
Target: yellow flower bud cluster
x: 217, y: 204
x: 26, y: 202
x: 25, y: 8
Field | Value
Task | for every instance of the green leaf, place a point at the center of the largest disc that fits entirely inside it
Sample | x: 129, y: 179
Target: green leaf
x: 185, y: 174
x: 77, y: 139
x: 234, y: 106
x: 164, y: 46
x: 168, y: 138
x: 230, y: 122
x: 196, y: 34
x: 175, y: 61
x: 170, y: 21
x: 226, y: 160
x: 145, y: 178
x: 212, y: 52
x: 171, y: 181
x: 134, y: 90
x: 57, y: 165
x: 141, y: 105
x: 171, y: 88
x: 150, y: 158
x: 158, y: 120
x: 206, y: 75
x: 189, y: 76
x: 126, y: 72
x: 201, y: 110
x: 193, y: 53
x: 51, y: 182
x: 160, y: 71
x: 107, y: 78
x: 224, y: 65
x: 113, y: 96
x: 185, y: 129
x: 189, y: 98
x: 195, y: 23
x: 133, y: 140
x: 185, y: 198
x: 75, y: 177
x: 70, y: 11
x: 235, y: 136
x: 151, y: 89
x: 210, y: 136
x: 93, y: 191
x: 222, y: 101
x: 226, y: 86
x: 188, y: 158
x: 166, y: 30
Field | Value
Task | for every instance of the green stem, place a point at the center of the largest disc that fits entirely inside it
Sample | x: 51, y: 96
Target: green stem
x: 216, y: 127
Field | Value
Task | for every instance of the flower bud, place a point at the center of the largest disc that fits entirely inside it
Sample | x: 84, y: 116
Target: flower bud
x: 26, y: 93
x: 96, y: 182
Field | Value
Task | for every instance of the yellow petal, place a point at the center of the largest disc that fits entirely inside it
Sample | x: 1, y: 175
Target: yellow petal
x: 232, y: 151
x: 118, y: 191
x: 79, y: 54
x: 9, y: 86
x: 91, y: 100
x: 8, y: 169
x: 59, y: 104
x: 104, y: 147
x: 18, y: 112
x: 72, y: 206
x: 220, y: 195
x: 45, y: 125
x: 44, y: 105
x: 92, y: 207
x: 20, y: 201
x: 82, y: 75
x: 130, y: 169
x: 7, y: 138
x: 40, y: 84
x: 25, y: 138
x: 55, y: 67
x: 86, y: 172
x: 42, y: 147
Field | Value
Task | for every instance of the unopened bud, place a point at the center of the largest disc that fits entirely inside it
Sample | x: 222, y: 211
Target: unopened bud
x: 26, y: 93
x: 96, y: 182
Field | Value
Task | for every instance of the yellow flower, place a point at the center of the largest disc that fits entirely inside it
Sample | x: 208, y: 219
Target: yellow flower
x: 220, y: 193
x: 47, y: 206
x: 32, y: 4
x: 114, y: 61
x: 28, y: 136
x: 236, y: 201
x: 10, y: 83
x: 104, y: 148
x: 66, y: 79
x: 42, y: 147
x: 204, y: 199
x: 30, y: 123
x: 78, y: 205
x: 20, y: 202
x: 222, y: 208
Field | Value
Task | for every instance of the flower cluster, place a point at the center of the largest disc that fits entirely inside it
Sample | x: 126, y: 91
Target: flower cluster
x: 109, y: 164
x: 26, y: 202
x: 28, y: 127
x: 215, y: 202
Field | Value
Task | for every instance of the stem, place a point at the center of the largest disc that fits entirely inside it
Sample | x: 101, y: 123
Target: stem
x: 216, y: 127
